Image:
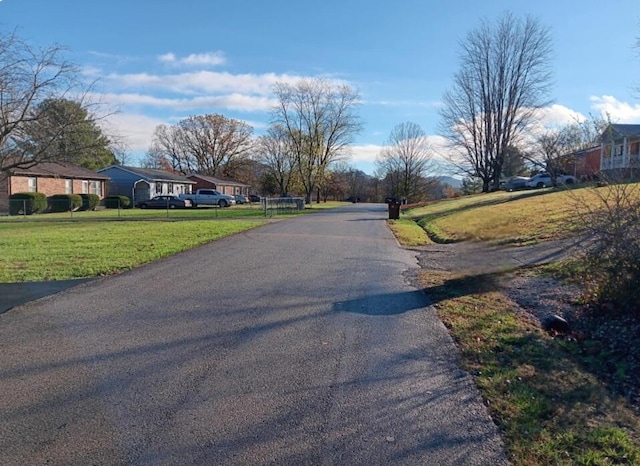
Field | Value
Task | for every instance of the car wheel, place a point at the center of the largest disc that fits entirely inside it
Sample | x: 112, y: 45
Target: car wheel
x: 569, y: 181
x: 143, y: 206
x: 222, y: 203
x: 194, y: 205
x: 172, y: 206
x: 540, y: 185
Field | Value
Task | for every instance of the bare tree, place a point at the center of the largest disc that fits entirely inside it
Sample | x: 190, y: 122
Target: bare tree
x: 167, y: 149
x: 29, y: 76
x: 405, y: 161
x: 503, y: 80
x: 208, y: 144
x: 556, y: 148
x: 276, y: 152
x: 320, y: 120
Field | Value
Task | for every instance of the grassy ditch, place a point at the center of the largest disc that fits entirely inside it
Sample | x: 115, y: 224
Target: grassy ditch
x: 549, y: 407
x: 409, y: 233
x: 37, y: 251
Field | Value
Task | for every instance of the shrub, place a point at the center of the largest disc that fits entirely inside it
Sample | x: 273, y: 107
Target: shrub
x: 89, y: 201
x: 64, y: 202
x: 33, y: 203
x: 117, y: 202
x: 612, y: 247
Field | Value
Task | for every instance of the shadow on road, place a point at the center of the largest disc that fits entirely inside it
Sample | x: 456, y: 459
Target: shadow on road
x: 385, y: 304
x: 16, y: 294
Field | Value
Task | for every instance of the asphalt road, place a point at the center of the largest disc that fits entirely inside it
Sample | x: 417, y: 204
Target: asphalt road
x: 300, y: 342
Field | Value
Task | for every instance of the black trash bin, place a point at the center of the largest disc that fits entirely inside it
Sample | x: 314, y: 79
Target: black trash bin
x: 394, y: 210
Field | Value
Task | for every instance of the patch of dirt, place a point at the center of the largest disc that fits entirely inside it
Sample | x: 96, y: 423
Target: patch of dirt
x: 608, y: 343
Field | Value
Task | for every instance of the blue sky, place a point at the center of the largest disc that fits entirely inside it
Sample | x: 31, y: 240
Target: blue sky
x: 160, y: 61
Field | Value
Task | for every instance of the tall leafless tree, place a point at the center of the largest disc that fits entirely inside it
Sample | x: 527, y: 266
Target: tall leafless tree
x: 320, y: 120
x: 207, y: 144
x: 405, y: 161
x: 504, y: 78
x: 275, y: 151
x: 30, y: 76
x: 168, y: 150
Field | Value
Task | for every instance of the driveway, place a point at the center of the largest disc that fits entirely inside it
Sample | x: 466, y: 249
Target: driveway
x: 301, y: 342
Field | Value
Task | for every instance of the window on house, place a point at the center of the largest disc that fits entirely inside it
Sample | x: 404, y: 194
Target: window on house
x: 85, y: 187
x: 158, y: 188
x: 32, y: 185
x: 68, y: 186
x: 95, y: 187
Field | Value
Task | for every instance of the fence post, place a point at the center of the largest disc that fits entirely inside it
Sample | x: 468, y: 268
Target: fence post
x: 24, y: 208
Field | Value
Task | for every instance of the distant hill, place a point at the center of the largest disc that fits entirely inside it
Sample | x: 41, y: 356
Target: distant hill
x: 455, y: 183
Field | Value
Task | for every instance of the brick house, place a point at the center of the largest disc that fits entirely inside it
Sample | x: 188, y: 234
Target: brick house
x: 224, y: 185
x: 50, y: 178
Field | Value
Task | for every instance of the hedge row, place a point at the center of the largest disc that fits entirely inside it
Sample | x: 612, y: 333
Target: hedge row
x: 117, y: 202
x: 89, y: 201
x: 27, y: 203
x: 34, y: 203
x: 64, y: 202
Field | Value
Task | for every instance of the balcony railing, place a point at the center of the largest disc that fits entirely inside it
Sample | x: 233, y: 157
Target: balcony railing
x: 619, y: 161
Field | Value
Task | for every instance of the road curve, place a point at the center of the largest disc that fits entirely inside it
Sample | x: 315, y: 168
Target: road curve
x: 300, y: 342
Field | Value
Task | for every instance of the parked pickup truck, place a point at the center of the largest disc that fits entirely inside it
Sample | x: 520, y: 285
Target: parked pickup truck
x: 209, y: 197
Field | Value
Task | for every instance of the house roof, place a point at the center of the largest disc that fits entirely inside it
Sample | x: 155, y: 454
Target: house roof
x: 616, y: 131
x: 58, y: 170
x: 217, y: 179
x: 151, y: 174
x: 588, y: 150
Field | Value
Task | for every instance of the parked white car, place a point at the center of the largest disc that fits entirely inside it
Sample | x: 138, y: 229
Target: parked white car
x: 544, y: 180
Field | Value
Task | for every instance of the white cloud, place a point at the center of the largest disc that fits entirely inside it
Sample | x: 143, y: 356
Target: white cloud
x: 202, y: 82
x: 167, y: 58
x: 620, y: 112
x: 558, y: 115
x: 200, y: 59
x: 237, y: 102
x: 365, y: 153
x: 135, y: 129
x: 195, y: 59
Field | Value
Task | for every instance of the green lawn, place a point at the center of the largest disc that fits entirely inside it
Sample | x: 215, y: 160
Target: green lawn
x: 87, y: 244
x: 519, y: 217
x: 36, y: 251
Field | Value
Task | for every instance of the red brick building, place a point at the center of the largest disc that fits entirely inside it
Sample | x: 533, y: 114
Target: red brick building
x: 223, y: 185
x: 587, y: 163
x: 50, y: 178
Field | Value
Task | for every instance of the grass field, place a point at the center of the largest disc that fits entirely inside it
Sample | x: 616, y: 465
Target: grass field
x: 36, y: 251
x: 67, y: 245
x: 519, y: 217
x: 249, y: 211
x: 544, y: 393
